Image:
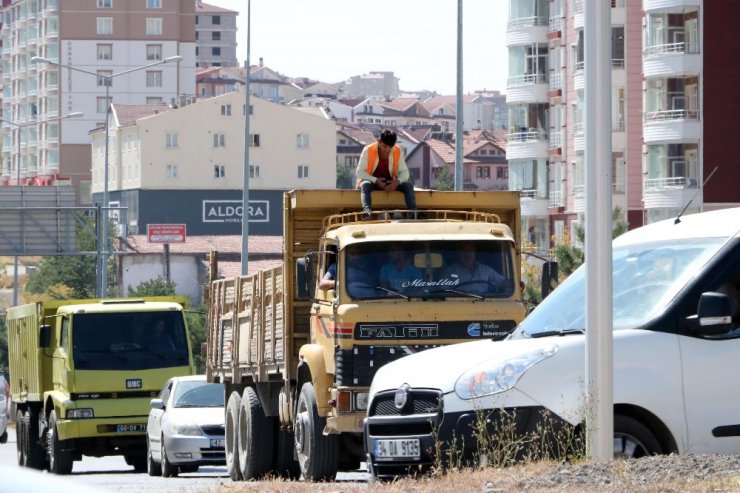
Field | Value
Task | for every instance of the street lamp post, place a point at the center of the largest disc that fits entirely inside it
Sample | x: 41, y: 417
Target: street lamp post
x: 102, y: 270
x: 20, y: 127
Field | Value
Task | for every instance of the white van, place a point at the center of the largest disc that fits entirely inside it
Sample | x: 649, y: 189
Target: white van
x: 676, y: 289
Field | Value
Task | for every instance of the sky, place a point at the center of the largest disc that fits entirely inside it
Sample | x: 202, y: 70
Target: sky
x: 333, y: 40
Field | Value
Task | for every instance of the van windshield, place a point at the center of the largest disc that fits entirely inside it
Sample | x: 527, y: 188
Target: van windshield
x: 129, y: 340
x: 646, y: 277
x: 429, y: 269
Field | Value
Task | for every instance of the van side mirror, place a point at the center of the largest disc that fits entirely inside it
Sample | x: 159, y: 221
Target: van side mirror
x: 45, y: 336
x: 549, y: 277
x: 156, y: 404
x: 304, y: 277
x: 714, y: 315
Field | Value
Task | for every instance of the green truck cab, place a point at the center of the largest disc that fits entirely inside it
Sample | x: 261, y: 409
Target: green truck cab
x: 83, y: 372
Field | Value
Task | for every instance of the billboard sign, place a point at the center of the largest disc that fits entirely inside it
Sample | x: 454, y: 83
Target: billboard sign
x: 166, y: 233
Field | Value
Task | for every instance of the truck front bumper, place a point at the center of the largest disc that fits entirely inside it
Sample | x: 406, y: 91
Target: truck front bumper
x: 102, y: 427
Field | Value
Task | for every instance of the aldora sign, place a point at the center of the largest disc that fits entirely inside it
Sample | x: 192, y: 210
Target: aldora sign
x: 232, y: 211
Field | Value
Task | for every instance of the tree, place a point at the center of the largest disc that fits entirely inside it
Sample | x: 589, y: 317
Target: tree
x: 345, y: 177
x: 153, y: 287
x: 445, y: 180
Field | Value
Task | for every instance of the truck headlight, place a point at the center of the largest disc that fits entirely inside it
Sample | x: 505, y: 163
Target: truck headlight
x: 486, y: 379
x: 185, y: 428
x: 84, y: 413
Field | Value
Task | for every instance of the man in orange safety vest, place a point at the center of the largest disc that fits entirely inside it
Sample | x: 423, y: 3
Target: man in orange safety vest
x: 382, y: 166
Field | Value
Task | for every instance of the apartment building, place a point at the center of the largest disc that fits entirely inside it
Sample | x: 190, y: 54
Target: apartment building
x: 96, y: 49
x: 215, y: 36
x: 185, y: 165
x: 671, y: 69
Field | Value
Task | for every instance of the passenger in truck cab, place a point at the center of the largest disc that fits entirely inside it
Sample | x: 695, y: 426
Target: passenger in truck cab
x: 468, y: 270
x: 160, y: 340
x: 399, y: 273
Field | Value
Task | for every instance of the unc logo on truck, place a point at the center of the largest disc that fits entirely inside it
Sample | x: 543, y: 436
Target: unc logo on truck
x: 133, y: 383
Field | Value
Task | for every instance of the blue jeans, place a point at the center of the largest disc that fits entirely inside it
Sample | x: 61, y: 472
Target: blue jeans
x: 367, y: 202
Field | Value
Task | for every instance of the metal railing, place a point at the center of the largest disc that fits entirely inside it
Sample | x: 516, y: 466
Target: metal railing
x: 673, y: 183
x: 555, y: 24
x: 666, y: 115
x: 520, y: 80
x: 556, y: 140
x: 531, y: 135
x: 556, y: 198
x: 663, y: 49
x: 556, y: 81
x: 524, y: 22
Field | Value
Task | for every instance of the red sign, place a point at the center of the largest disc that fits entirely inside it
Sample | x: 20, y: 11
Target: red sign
x: 166, y: 233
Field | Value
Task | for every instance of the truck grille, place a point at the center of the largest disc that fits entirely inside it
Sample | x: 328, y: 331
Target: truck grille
x: 357, y: 366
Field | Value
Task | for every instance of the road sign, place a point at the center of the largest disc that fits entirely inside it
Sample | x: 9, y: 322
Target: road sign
x: 166, y: 233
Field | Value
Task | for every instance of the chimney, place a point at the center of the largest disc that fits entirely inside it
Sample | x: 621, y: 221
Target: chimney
x: 260, y: 62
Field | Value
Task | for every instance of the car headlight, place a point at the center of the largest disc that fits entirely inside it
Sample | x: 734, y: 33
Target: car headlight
x: 185, y: 428
x: 485, y: 379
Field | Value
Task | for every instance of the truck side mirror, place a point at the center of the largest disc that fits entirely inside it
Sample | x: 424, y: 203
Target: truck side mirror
x: 304, y: 276
x: 714, y: 315
x: 549, y: 277
x: 45, y: 336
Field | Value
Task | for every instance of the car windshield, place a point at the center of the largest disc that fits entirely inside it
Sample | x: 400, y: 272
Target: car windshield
x: 128, y: 340
x: 195, y: 393
x: 429, y: 269
x: 646, y: 277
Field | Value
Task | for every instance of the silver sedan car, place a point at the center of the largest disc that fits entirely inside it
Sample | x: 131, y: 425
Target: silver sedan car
x: 186, y: 426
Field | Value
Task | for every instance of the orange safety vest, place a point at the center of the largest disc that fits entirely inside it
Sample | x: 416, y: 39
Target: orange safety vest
x: 372, y: 157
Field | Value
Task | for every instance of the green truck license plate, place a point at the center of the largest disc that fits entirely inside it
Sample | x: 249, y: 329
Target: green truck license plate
x: 407, y: 448
x: 130, y: 428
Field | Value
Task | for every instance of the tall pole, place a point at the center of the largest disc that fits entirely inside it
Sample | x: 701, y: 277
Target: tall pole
x: 459, y: 102
x: 103, y: 268
x: 245, y: 180
x: 16, y: 264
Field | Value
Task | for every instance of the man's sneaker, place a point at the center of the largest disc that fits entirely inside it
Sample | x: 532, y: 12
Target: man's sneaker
x: 397, y: 215
x: 366, y: 216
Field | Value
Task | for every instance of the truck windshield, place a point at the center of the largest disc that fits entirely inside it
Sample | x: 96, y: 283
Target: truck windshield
x: 129, y: 340
x: 429, y: 269
x: 646, y: 277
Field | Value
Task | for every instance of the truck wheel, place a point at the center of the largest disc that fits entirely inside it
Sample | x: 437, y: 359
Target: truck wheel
x: 4, y: 437
x: 152, y: 468
x: 20, y: 437
x: 232, y: 445
x: 318, y: 454
x: 633, y: 439
x: 34, y: 451
x: 137, y: 461
x: 60, y: 461
x: 285, y: 465
x: 255, y: 437
x: 169, y: 470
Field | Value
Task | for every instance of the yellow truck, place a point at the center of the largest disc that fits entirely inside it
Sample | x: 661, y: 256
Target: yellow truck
x: 297, y: 360
x: 83, y: 372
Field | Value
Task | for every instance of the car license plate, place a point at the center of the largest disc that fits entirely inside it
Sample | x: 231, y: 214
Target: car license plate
x: 217, y: 442
x: 130, y: 428
x: 407, y: 448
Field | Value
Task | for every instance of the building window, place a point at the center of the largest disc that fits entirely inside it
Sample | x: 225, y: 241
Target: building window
x: 216, y: 35
x: 502, y: 172
x: 154, y: 78
x: 104, y: 25
x: 219, y: 171
x: 216, y: 20
x: 254, y: 140
x: 219, y: 140
x: 216, y: 51
x: 154, y: 26
x: 170, y: 139
x: 153, y: 100
x: 483, y: 172
x: 105, y: 4
x: 153, y: 52
x: 101, y: 104
x: 302, y: 141
x: 104, y: 78
x: 172, y: 171
x: 251, y: 109
x: 302, y: 171
x: 225, y: 110
x: 254, y: 171
x: 154, y: 4
x: 105, y: 52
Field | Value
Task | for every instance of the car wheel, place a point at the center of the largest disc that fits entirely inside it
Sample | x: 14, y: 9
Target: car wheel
x: 633, y: 440
x: 317, y: 454
x: 60, y: 461
x: 230, y: 427
x: 169, y: 470
x: 4, y: 437
x: 152, y: 468
x: 255, y: 437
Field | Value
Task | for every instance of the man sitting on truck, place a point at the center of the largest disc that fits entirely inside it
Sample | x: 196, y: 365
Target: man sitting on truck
x: 382, y: 166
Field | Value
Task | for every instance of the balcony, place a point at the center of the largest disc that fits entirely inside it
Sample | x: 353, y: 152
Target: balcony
x: 670, y: 193
x: 672, y: 126
x: 556, y: 85
x: 528, y: 144
x: 557, y: 199
x: 579, y: 199
x: 533, y: 203
x: 579, y: 137
x: 671, y: 59
x: 660, y: 5
x: 555, y: 28
x: 527, y: 88
x: 527, y: 30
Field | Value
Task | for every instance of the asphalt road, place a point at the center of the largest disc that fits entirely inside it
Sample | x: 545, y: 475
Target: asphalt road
x: 112, y: 474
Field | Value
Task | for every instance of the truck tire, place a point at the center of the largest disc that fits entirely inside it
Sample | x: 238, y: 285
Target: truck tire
x: 169, y: 470
x: 255, y: 437
x: 152, y: 468
x: 138, y: 462
x: 230, y: 435
x: 318, y: 454
x: 60, y: 461
x: 34, y: 451
x: 20, y: 436
x: 633, y: 439
x: 4, y: 437
x: 285, y: 466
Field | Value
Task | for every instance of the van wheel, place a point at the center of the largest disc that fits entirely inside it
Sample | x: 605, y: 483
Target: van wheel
x: 255, y: 437
x: 230, y: 427
x: 318, y: 454
x: 60, y: 461
x: 633, y: 440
